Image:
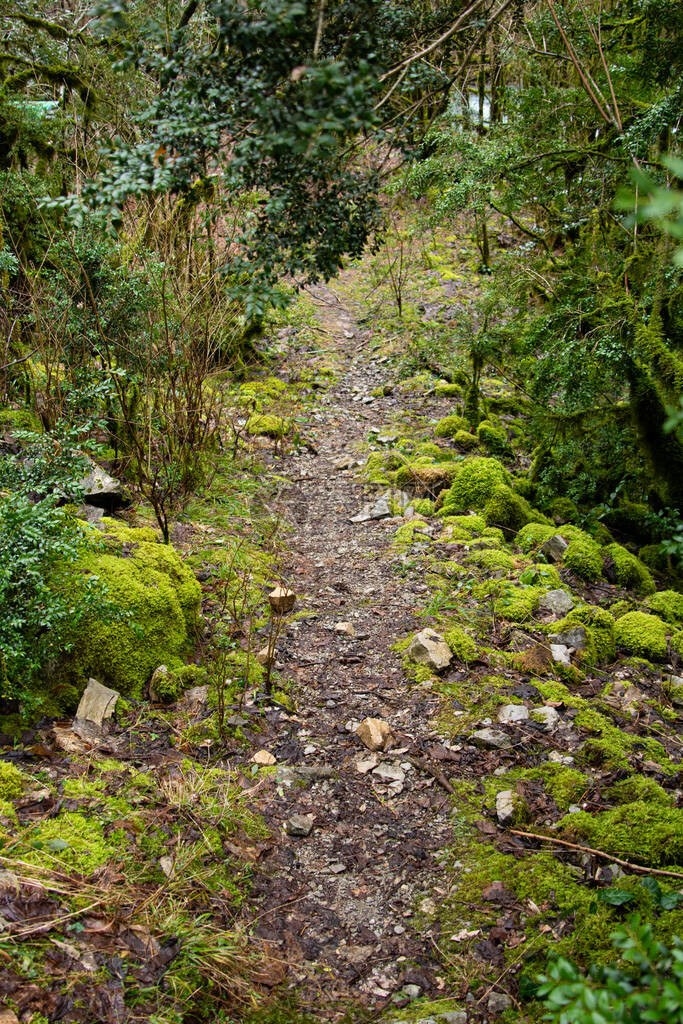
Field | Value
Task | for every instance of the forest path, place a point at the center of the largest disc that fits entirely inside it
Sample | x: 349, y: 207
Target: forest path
x: 339, y: 903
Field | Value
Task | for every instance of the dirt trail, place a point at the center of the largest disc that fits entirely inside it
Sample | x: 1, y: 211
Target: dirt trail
x: 339, y: 902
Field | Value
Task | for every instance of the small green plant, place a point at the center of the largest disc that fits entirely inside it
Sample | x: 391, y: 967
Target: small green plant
x: 646, y: 986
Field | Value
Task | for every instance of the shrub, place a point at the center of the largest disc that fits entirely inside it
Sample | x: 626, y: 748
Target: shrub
x: 645, y: 985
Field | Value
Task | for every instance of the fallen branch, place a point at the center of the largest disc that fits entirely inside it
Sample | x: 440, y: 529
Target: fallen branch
x: 434, y: 772
x: 596, y: 853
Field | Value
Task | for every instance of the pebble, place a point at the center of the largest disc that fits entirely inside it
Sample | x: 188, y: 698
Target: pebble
x: 300, y: 825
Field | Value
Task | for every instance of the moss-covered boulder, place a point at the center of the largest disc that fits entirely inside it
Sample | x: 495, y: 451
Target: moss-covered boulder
x: 493, y: 439
x: 475, y: 481
x: 583, y: 556
x: 156, y: 600
x: 424, y: 476
x: 643, y: 634
x: 463, y: 439
x: 668, y: 604
x: 628, y: 570
x: 267, y: 425
x: 508, y: 510
x: 449, y: 426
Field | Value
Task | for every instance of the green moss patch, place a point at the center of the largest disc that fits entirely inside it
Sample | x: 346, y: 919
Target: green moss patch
x: 630, y: 571
x: 475, y: 482
x: 648, y: 833
x: 639, y: 633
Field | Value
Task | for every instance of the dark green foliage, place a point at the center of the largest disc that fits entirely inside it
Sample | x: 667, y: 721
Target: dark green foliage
x: 646, y: 985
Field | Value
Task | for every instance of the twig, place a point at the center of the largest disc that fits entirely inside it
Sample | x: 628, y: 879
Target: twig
x: 597, y: 853
x: 434, y: 772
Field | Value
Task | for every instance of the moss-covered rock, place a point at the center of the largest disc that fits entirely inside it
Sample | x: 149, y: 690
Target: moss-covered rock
x: 509, y: 510
x: 668, y: 604
x: 170, y: 686
x: 492, y: 560
x: 425, y: 476
x: 653, y: 557
x: 449, y: 426
x: 463, y: 439
x: 524, y: 486
x: 599, y: 627
x: 563, y: 510
x: 639, y: 787
x: 639, y: 633
x: 423, y: 506
x: 493, y: 439
x: 475, y: 481
x: 158, y: 600
x: 446, y: 389
x: 629, y: 570
x: 533, y: 535
x: 268, y: 425
x: 517, y: 603
x: 583, y: 555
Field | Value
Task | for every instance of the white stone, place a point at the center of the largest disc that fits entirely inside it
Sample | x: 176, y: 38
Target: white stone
x: 505, y: 806
x: 556, y: 602
x: 511, y: 713
x: 429, y: 648
x: 375, y: 734
x: 547, y: 715
x: 560, y: 654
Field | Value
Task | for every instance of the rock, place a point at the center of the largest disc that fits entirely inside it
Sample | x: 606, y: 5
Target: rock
x: 557, y: 757
x: 347, y: 462
x: 264, y: 656
x: 375, y: 734
x: 366, y: 764
x: 511, y: 713
x: 91, y: 513
x: 8, y: 1017
x: 411, y: 991
x: 547, y: 716
x: 96, y: 705
x: 263, y: 757
x: 195, y: 700
x: 498, y: 1002
x: 380, y: 509
x: 167, y: 864
x: 429, y: 648
x: 300, y: 825
x: 159, y: 676
x: 554, y: 548
x: 505, y: 806
x: 344, y: 628
x: 389, y: 773
x: 453, y: 1017
x: 492, y: 738
x: 624, y: 695
x: 556, y: 602
x: 101, y: 489
x: 575, y: 637
x: 67, y: 740
x: 290, y: 775
x: 560, y: 653
x: 281, y: 600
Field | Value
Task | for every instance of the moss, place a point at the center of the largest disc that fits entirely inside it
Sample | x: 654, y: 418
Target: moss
x: 668, y: 604
x: 449, y: 426
x: 509, y: 510
x: 639, y: 788
x: 7, y: 812
x: 648, y: 833
x: 410, y: 533
x: 604, y: 752
x: 20, y: 419
x: 427, y: 449
x: 533, y: 535
x: 492, y: 560
x: 472, y: 525
x: 418, y: 673
x: 76, y: 841
x: 517, y: 603
x: 563, y: 510
x: 476, y: 480
x: 12, y: 781
x: 424, y: 506
x: 599, y: 625
x: 431, y: 477
x: 461, y: 644
x: 159, y: 601
x: 257, y: 393
x: 583, y: 556
x: 444, y: 389
x: 566, y: 786
x: 524, y: 486
x: 653, y: 557
x: 172, y: 685
x: 639, y: 633
x: 268, y: 425
x: 463, y: 439
x: 630, y: 572
x: 493, y: 439
x: 621, y: 607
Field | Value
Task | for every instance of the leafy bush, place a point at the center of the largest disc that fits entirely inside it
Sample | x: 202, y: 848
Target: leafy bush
x: 42, y: 599
x: 646, y: 986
